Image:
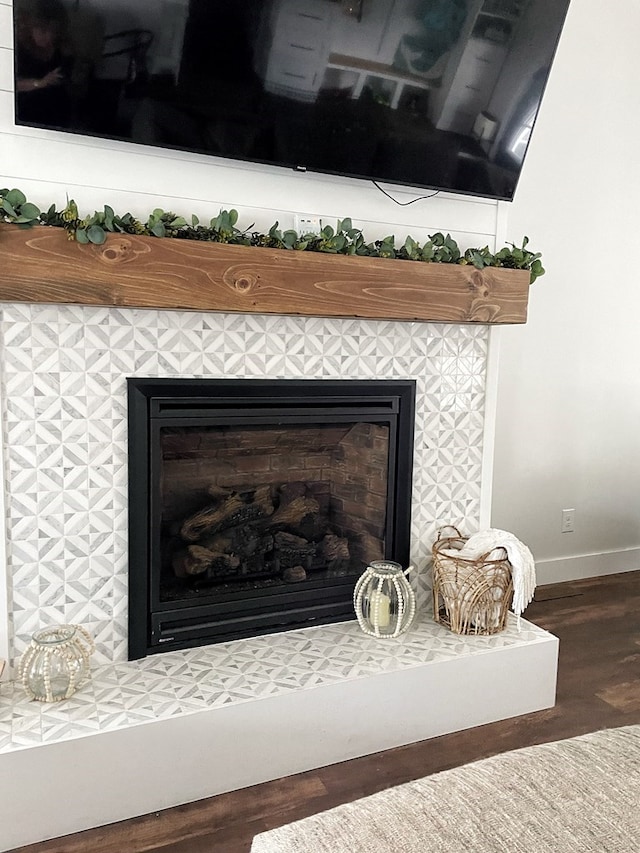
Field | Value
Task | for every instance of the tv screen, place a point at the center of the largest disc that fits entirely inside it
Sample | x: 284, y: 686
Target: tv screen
x: 440, y: 94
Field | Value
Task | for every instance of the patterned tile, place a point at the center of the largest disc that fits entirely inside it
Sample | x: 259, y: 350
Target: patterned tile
x: 65, y: 431
x: 122, y: 695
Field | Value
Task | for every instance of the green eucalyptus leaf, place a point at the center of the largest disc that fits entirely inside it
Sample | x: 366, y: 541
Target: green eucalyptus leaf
x: 30, y: 210
x: 81, y: 235
x: 8, y: 207
x: 96, y: 234
x: 289, y: 238
x: 15, y: 197
x: 536, y: 271
x: 109, y: 216
x: 477, y: 260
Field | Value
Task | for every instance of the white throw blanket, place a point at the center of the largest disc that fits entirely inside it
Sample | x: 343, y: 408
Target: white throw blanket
x: 523, y: 567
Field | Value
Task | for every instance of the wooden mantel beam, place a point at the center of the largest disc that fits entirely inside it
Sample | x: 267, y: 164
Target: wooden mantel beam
x: 41, y: 265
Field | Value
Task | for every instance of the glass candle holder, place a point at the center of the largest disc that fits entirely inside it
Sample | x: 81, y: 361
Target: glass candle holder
x: 383, y: 599
x: 56, y: 662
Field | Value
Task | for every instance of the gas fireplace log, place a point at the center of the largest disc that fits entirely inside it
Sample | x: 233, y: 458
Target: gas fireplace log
x: 335, y: 547
x: 294, y: 574
x: 302, y: 514
x: 236, y: 509
x: 196, y: 560
x: 247, y: 539
x: 244, y: 535
x: 243, y: 541
x: 209, y: 519
x: 282, y: 539
x: 293, y: 550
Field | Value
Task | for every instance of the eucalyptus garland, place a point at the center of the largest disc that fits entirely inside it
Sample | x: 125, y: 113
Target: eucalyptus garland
x: 343, y: 240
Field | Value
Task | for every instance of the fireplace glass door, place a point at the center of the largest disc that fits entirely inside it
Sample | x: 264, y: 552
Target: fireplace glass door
x: 255, y: 506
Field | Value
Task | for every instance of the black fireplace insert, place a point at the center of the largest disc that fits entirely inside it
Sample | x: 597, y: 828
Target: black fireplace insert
x: 255, y: 505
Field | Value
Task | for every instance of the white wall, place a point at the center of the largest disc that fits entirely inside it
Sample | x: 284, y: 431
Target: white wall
x: 568, y: 420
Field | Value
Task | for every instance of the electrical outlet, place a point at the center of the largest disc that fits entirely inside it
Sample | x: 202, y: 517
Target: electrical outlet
x: 306, y: 225
x: 568, y: 520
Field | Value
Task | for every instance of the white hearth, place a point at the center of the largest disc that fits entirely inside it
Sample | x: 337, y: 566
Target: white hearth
x: 181, y: 726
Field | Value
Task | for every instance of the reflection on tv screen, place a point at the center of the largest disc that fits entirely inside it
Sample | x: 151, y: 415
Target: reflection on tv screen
x: 427, y: 93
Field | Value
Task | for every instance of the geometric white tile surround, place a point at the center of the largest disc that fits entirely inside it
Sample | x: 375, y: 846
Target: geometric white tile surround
x: 64, y: 371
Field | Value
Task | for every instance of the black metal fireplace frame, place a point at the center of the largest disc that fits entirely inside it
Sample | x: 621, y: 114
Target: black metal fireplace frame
x: 156, y: 627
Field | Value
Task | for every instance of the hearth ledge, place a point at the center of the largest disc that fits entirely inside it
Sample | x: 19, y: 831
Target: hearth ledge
x: 177, y: 727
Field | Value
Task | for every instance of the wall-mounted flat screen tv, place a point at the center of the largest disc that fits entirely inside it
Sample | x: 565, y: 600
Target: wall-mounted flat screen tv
x: 441, y: 94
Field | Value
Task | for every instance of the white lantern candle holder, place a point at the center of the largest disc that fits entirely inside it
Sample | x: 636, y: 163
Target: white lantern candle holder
x: 56, y: 662
x: 383, y: 600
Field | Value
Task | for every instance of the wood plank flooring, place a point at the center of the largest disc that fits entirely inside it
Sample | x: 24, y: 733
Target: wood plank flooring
x: 598, y: 622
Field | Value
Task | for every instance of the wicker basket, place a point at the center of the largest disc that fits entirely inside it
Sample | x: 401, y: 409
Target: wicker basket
x: 469, y: 596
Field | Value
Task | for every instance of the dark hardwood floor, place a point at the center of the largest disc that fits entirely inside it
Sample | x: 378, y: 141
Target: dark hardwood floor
x: 598, y: 622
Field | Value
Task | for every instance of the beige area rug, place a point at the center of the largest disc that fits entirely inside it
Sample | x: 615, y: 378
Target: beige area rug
x: 572, y: 796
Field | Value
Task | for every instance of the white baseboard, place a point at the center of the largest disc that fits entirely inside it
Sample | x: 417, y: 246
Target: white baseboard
x: 587, y: 566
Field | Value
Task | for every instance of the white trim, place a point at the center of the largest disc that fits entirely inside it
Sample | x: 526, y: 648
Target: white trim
x: 491, y: 389
x: 4, y: 574
x: 489, y: 431
x: 502, y: 223
x: 581, y: 566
